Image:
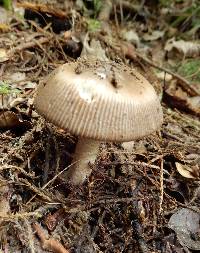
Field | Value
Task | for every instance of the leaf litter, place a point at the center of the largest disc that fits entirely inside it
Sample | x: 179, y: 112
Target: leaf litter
x: 130, y: 202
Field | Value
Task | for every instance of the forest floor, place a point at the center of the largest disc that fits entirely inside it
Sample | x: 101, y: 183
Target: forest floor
x: 142, y: 196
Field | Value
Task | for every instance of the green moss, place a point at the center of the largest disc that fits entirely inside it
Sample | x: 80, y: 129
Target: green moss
x: 7, y: 4
x: 93, y: 25
x: 190, y: 69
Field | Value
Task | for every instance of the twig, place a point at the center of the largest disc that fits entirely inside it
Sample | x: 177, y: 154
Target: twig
x: 43, y: 8
x: 28, y: 45
x: 138, y: 163
x: 161, y: 188
x: 49, y: 244
x: 127, y: 5
x: 30, y: 236
x: 48, y: 183
x: 108, y: 5
x: 38, y: 191
x: 16, y: 168
x: 110, y: 201
x: 20, y: 215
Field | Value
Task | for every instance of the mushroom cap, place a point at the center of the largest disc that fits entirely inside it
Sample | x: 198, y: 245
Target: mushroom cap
x: 99, y: 100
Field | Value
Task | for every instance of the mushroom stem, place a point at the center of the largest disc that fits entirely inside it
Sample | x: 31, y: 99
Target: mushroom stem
x: 85, y: 153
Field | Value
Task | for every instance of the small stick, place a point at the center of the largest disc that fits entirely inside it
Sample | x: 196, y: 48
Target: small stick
x: 48, y: 183
x: 49, y: 244
x: 28, y: 45
x: 161, y: 188
x: 126, y: 5
x: 30, y: 236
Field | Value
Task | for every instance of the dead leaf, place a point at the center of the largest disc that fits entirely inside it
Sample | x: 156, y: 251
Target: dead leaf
x: 17, y: 77
x: 185, y: 223
x: 3, y: 16
x: 155, y: 35
x: 128, y: 146
x: 164, y: 76
x: 184, y: 48
x: 131, y: 36
x: 194, y: 102
x: 3, y: 55
x: 30, y: 85
x: 46, y: 8
x: 17, y: 101
x: 10, y: 120
x: 5, y: 101
x: 157, y: 53
x: 178, y: 98
x: 52, y: 220
x: 178, y: 189
x: 94, y: 50
x: 192, y: 158
x: 27, y: 56
x: 187, y: 171
x: 5, y: 195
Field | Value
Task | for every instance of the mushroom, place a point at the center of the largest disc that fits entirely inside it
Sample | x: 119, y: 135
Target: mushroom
x: 98, y: 101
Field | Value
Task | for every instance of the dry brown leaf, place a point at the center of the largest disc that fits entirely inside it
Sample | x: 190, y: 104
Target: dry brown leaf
x: 187, y: 171
x: 7, y: 101
x: 164, y: 76
x: 17, y: 77
x: 195, y: 103
x: 131, y: 36
x: 94, y: 50
x: 184, y: 48
x: 178, y: 98
x: 128, y: 146
x: 10, y: 119
x: 155, y: 35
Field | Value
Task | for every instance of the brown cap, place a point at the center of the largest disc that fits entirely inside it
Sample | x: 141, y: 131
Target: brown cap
x: 100, y: 100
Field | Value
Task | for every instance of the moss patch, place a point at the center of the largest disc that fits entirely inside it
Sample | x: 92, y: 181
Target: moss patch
x: 191, y: 70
